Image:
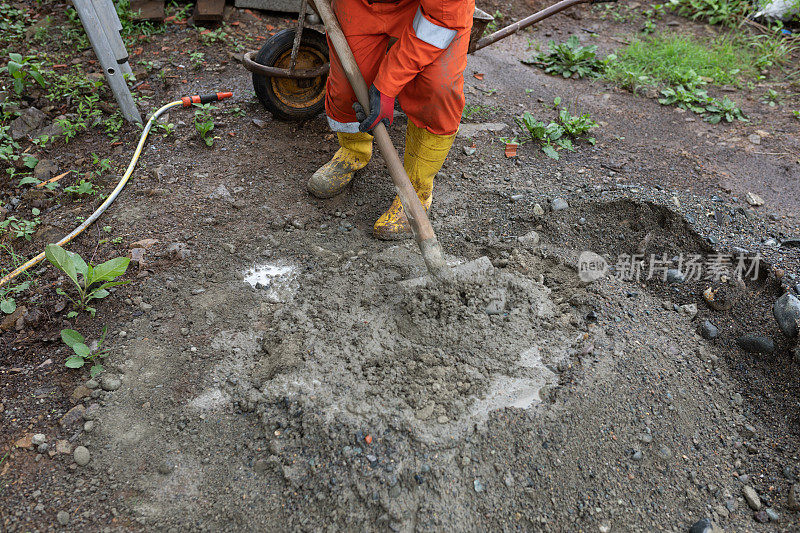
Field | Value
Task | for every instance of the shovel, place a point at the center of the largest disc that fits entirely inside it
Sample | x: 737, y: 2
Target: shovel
x: 417, y: 217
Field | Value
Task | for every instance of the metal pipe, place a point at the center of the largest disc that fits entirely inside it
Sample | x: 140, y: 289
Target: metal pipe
x: 275, y: 72
x: 529, y: 21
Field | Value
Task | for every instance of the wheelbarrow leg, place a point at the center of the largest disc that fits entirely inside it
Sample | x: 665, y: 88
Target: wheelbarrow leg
x: 301, y: 22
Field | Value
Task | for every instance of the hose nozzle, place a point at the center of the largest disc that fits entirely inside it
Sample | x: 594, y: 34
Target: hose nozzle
x: 205, y: 98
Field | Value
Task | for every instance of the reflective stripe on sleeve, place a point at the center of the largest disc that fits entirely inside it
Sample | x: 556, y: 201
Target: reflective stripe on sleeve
x: 343, y: 127
x: 430, y: 33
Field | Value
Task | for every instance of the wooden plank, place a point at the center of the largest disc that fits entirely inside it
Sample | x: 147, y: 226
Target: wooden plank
x: 209, y: 10
x: 148, y: 10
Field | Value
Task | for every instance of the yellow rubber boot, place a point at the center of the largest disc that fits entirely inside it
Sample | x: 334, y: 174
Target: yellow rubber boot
x: 333, y: 176
x: 424, y: 157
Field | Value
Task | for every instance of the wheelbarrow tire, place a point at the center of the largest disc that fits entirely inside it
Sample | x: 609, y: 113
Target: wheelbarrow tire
x: 286, y: 98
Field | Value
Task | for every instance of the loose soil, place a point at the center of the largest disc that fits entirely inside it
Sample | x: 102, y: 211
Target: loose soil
x: 283, y: 370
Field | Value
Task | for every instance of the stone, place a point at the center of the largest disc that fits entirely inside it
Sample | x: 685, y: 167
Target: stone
x: 165, y: 467
x: 787, y: 314
x: 751, y: 497
x: 754, y: 199
x: 689, y: 310
x: 88, y: 426
x: 469, y: 150
x: 755, y: 344
x: 772, y: 514
x: 38, y: 439
x: 478, y: 485
x: 529, y: 239
x: 63, y: 446
x: 45, y: 169
x: 110, y: 382
x: 559, y: 204
x: 754, y: 138
x: 675, y: 276
x: 92, y: 384
x: 63, y: 518
x: 708, y: 330
x: 29, y: 119
x: 80, y: 392
x: 704, y: 525
x: 794, y: 498
x: 538, y: 210
x: 73, y: 416
x: 81, y: 456
x: 761, y: 517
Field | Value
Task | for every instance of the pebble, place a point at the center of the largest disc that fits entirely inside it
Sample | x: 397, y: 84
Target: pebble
x: 702, y: 526
x: 637, y: 455
x: 690, y: 310
x: 754, y: 138
x: 645, y: 438
x: 92, y: 384
x: 753, y: 198
x: 529, y: 239
x: 110, y: 382
x: 787, y: 314
x: 38, y: 439
x: 755, y: 344
x: 63, y: 518
x: 559, y: 204
x: 81, y: 455
x: 165, y: 467
x: 751, y: 497
x: 761, y: 517
x: 675, y: 276
x: 708, y: 330
x: 469, y: 150
x: 772, y: 514
x: 88, y: 426
x: 664, y: 452
x: 478, y: 485
x: 794, y: 498
x: 538, y: 210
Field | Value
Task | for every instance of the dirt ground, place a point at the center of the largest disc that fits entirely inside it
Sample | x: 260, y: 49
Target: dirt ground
x: 273, y: 367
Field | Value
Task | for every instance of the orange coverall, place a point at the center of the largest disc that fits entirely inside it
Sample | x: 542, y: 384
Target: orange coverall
x: 424, y: 69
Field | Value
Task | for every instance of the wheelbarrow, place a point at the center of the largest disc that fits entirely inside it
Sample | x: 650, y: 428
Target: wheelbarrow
x: 290, y: 70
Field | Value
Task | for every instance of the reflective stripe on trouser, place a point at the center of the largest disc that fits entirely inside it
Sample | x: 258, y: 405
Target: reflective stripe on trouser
x: 433, y: 100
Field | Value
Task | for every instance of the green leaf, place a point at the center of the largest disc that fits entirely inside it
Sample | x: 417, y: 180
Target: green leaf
x: 97, y: 294
x: 29, y: 179
x: 110, y: 284
x: 30, y: 161
x: 74, y: 361
x: 13, y: 68
x: 96, y: 369
x: 72, y: 314
x: 8, y: 305
x: 81, y: 267
x: 81, y: 349
x: 38, y: 77
x: 111, y: 269
x: 36, y: 212
x: 72, y: 337
x: 550, y: 151
x: 60, y: 259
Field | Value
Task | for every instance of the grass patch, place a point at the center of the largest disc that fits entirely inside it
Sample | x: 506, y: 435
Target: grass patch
x: 671, y: 59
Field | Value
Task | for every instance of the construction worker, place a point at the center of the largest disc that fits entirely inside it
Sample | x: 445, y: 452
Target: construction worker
x: 423, y: 70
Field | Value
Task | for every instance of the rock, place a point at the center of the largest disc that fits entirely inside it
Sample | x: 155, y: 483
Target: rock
x: 92, y: 412
x: 110, y: 382
x: 755, y: 344
x: 88, y: 426
x: 45, y: 169
x: 92, y: 384
x: 704, y: 526
x: 221, y: 193
x: 664, y: 452
x: 38, y: 439
x: 260, y: 124
x: 637, y: 455
x: 675, y: 276
x: 478, y: 485
x: 787, y: 314
x: 73, y: 416
x: 748, y: 431
x: 529, y: 239
x: 754, y: 138
x: 689, y: 310
x: 794, y: 498
x: 559, y: 204
x: 469, y: 150
x: 63, y: 446
x: 538, y: 210
x: 717, y: 298
x: 165, y: 467
x: 754, y: 199
x: 761, y: 517
x: 80, y: 392
x: 30, y: 119
x: 751, y: 497
x: 708, y: 330
x: 772, y: 514
x: 81, y: 455
x: 63, y: 518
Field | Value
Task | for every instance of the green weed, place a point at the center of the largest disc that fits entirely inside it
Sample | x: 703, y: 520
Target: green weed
x: 20, y: 227
x: 557, y: 135
x: 8, y: 292
x: 82, y: 353
x: 23, y: 71
x: 569, y: 58
x: 94, y: 280
x: 725, y: 12
x: 204, y: 122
